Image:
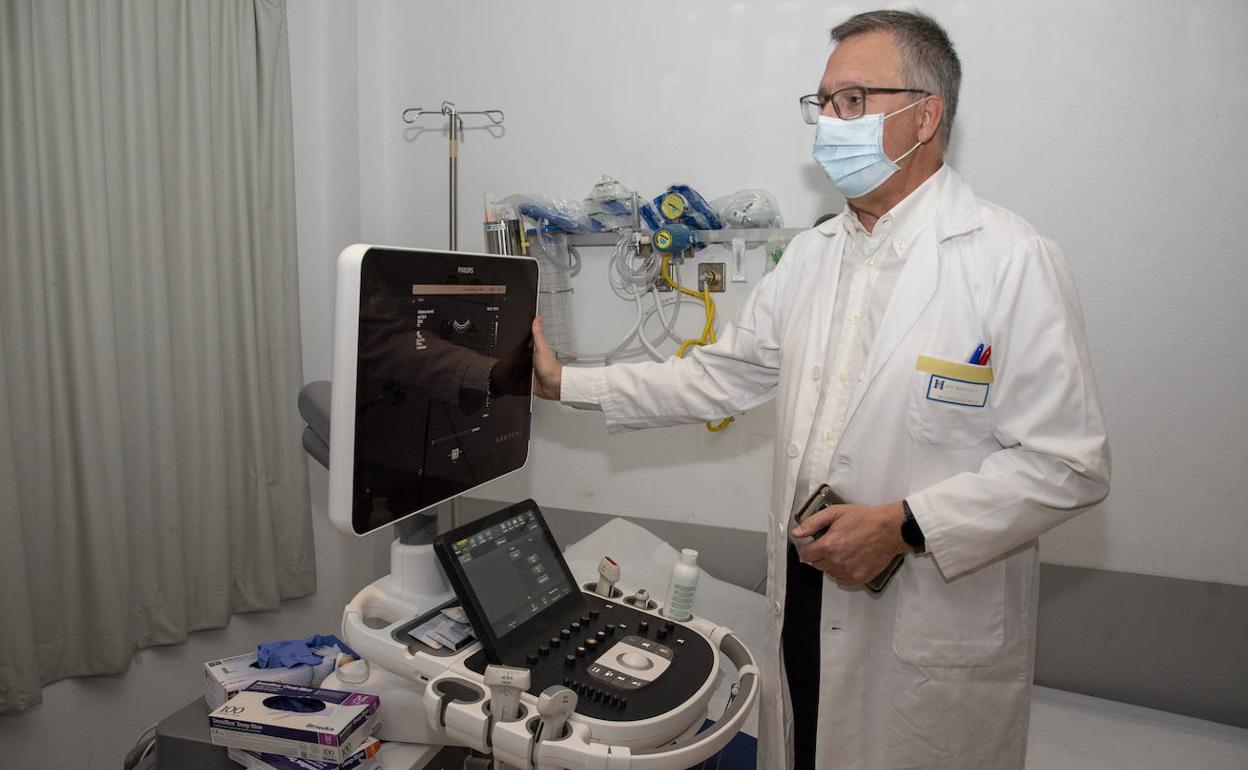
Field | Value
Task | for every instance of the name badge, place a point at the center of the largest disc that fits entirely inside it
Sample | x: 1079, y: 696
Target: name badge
x: 953, y: 382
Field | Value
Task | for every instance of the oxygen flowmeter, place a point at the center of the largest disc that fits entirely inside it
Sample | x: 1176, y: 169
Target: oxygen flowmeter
x: 675, y: 239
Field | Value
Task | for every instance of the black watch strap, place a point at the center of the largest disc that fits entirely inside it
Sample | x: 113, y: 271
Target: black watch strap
x: 910, y: 531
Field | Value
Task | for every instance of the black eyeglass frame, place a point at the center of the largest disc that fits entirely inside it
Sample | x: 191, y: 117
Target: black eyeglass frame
x: 821, y: 100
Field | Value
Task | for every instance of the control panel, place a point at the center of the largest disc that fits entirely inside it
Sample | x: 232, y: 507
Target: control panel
x: 623, y: 663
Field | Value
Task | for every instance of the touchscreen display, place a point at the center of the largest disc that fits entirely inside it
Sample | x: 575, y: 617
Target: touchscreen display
x: 443, y: 378
x: 513, y: 570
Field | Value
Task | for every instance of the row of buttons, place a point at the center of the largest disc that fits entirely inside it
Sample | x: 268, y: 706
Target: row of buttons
x: 614, y: 677
x: 591, y: 643
x: 589, y: 692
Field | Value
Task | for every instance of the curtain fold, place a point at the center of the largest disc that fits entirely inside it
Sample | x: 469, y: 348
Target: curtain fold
x: 151, y: 477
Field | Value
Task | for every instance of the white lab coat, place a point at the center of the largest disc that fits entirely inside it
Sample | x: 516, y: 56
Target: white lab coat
x: 936, y: 671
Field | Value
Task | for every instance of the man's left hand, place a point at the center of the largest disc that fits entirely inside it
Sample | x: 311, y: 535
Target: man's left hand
x: 860, y: 542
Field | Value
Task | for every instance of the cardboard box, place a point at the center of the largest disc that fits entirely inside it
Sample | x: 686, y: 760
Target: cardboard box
x: 360, y: 760
x: 223, y: 678
x: 304, y: 722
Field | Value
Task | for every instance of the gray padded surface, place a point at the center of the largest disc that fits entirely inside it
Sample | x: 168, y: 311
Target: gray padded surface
x: 314, y: 401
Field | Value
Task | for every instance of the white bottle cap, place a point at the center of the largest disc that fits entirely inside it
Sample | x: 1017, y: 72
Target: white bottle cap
x: 689, y: 556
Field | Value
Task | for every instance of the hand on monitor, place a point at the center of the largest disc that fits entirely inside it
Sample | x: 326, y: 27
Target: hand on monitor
x: 547, y: 371
x: 512, y: 374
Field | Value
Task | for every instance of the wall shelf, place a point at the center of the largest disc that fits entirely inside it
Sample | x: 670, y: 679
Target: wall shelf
x: 725, y: 236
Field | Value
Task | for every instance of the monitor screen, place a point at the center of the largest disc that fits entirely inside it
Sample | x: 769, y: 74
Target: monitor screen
x: 438, y: 359
x: 513, y: 569
x: 508, y: 572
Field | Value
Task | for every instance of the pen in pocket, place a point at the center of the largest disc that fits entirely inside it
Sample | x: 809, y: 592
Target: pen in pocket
x: 979, y: 351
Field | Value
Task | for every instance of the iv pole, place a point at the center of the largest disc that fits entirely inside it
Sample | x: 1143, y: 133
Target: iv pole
x: 456, y: 134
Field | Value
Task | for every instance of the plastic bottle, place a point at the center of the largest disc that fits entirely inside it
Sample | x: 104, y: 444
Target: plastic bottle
x: 679, y: 602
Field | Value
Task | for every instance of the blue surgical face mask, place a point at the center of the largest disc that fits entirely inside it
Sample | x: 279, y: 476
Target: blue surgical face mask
x: 852, y: 152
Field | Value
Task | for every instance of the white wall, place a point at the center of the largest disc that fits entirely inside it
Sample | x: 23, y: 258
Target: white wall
x: 1114, y: 126
x: 93, y: 722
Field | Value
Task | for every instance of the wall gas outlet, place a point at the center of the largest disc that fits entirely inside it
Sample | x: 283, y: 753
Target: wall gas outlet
x: 711, y: 276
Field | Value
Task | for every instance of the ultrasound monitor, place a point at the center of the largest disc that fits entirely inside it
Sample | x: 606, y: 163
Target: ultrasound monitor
x: 431, y: 381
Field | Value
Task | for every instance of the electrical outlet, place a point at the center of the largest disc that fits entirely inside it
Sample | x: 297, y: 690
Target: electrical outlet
x: 711, y: 276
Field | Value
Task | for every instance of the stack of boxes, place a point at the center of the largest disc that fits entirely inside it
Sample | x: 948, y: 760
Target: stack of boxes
x: 273, y: 719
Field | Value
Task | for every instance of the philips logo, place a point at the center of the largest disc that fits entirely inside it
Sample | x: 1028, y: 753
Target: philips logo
x: 465, y: 271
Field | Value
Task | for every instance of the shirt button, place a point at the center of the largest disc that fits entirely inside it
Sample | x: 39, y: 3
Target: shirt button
x: 792, y: 450
x: 816, y: 373
x: 844, y: 378
x: 830, y: 436
x: 776, y: 609
x: 856, y: 318
x: 901, y: 245
x: 870, y: 261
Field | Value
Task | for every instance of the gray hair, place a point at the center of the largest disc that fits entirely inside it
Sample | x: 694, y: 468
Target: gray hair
x: 928, y: 60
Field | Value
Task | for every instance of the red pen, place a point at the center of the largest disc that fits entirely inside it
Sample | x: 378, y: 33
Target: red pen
x: 983, y: 360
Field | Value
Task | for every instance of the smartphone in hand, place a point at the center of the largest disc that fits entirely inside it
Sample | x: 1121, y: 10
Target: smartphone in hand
x: 823, y: 497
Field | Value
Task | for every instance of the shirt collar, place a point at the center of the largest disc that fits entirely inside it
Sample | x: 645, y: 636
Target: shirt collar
x: 902, y: 222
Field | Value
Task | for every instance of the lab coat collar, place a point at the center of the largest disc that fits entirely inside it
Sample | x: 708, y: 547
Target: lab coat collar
x: 957, y: 211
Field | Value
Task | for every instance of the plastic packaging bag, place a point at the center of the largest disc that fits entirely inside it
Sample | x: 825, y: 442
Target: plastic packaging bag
x: 609, y: 205
x: 554, y: 291
x: 749, y: 209
x: 563, y: 213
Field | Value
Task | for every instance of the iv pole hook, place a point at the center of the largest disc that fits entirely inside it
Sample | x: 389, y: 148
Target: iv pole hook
x: 455, y: 130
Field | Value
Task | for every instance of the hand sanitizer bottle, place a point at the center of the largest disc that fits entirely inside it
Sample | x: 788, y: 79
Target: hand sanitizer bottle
x: 679, y: 602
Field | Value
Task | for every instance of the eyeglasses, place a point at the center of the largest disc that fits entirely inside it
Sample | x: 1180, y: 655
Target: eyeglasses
x: 849, y: 103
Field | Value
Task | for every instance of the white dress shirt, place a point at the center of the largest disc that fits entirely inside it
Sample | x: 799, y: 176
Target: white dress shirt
x: 869, y: 269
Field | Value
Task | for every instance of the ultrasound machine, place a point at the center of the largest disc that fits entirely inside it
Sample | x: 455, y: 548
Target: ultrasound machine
x: 431, y: 397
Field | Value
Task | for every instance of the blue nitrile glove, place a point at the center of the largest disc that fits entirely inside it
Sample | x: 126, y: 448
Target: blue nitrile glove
x: 285, y: 654
x: 329, y: 640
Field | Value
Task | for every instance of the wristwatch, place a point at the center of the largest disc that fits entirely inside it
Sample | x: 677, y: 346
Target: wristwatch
x: 910, y: 531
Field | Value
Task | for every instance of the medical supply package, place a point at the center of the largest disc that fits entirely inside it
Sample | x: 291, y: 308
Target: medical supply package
x: 304, y: 722
x: 360, y: 760
x: 223, y: 678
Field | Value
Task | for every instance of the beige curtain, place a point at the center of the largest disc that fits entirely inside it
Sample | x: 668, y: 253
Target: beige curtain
x: 151, y: 479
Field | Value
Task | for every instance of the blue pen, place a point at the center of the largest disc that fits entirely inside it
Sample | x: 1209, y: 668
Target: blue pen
x: 979, y: 351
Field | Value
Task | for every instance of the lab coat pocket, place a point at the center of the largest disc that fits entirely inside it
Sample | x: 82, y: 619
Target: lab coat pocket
x: 949, y: 403
x: 959, y: 622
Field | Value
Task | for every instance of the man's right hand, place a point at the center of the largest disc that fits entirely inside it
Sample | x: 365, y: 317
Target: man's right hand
x: 547, y: 371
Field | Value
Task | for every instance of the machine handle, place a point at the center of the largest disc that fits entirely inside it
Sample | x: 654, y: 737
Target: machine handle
x: 375, y: 645
x: 694, y: 749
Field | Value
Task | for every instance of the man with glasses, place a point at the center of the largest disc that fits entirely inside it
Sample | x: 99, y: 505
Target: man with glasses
x: 927, y: 353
